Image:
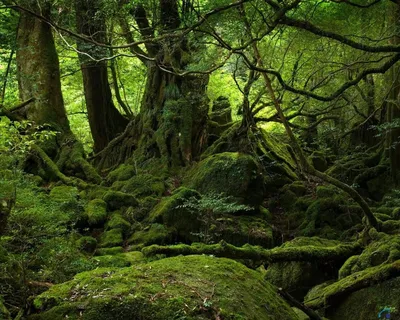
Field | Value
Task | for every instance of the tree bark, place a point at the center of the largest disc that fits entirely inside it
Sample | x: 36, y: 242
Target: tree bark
x: 104, y: 119
x: 39, y: 73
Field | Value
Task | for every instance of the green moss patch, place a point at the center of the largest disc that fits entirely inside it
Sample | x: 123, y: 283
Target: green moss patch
x: 232, y: 174
x: 116, y: 200
x: 111, y: 238
x: 142, y: 185
x: 193, y: 287
x: 96, y: 212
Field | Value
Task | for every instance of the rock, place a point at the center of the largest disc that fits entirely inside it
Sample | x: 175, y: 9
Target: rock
x: 116, y: 200
x: 96, y: 212
x: 229, y: 173
x: 192, y: 287
x: 122, y: 173
x: 112, y: 238
x: 297, y: 277
x: 87, y: 244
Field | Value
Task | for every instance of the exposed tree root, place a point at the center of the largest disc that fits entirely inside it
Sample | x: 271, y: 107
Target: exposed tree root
x: 255, y: 253
x: 55, y: 171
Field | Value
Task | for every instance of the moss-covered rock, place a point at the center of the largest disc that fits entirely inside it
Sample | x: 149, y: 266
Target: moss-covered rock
x: 111, y: 238
x: 87, y: 244
x: 366, y: 304
x: 117, y: 221
x: 384, y: 250
x: 154, y: 234
x: 361, y: 296
x: 119, y: 260
x: 330, y: 217
x: 192, y: 287
x: 142, y: 185
x: 96, y: 212
x: 109, y: 251
x: 122, y: 173
x: 230, y: 173
x: 171, y: 213
x: 64, y: 194
x: 297, y: 277
x: 116, y: 200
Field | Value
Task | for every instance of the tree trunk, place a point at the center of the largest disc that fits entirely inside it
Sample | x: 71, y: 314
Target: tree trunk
x: 173, y: 116
x: 39, y: 73
x: 104, y: 119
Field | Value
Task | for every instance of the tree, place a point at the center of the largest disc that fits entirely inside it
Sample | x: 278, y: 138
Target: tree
x: 105, y: 121
x: 38, y: 71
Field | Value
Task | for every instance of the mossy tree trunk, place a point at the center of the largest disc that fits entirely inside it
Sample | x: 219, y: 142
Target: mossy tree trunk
x: 39, y: 78
x: 38, y: 72
x: 104, y: 119
x: 173, y: 115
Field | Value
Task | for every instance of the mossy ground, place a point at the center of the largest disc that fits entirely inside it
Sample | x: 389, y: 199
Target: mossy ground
x: 193, y: 287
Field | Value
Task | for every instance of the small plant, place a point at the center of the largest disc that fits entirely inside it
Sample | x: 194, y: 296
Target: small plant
x: 207, y: 208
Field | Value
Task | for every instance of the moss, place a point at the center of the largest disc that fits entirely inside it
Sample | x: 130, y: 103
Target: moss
x: 96, y: 192
x: 65, y: 195
x: 385, y: 250
x: 348, y: 266
x: 297, y: 277
x: 4, y: 313
x: 143, y: 210
x: 118, y: 222
x: 332, y: 294
x: 87, y: 244
x: 112, y: 238
x: 194, y: 287
x: 169, y: 212
x: 96, y: 212
x: 119, y: 260
x: 396, y: 213
x: 155, y: 234
x: 142, y: 185
x: 329, y: 218
x: 327, y: 192
x: 116, y: 200
x: 108, y: 251
x: 231, y: 174
x: 297, y: 187
x: 367, y: 303
x: 122, y: 173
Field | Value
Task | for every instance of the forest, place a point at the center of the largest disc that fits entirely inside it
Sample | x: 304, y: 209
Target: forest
x: 199, y: 159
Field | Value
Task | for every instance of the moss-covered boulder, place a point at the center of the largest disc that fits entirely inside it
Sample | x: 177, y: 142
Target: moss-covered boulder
x: 192, y: 287
x: 111, y: 238
x: 87, y: 244
x: 116, y: 200
x: 386, y: 249
x: 360, y: 296
x: 297, y: 277
x: 122, y: 173
x: 96, y: 212
x: 154, y: 234
x: 230, y: 173
x: 329, y: 217
x: 119, y: 260
x: 172, y: 214
x: 65, y: 194
x: 318, y: 161
x: 117, y: 221
x: 142, y: 185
